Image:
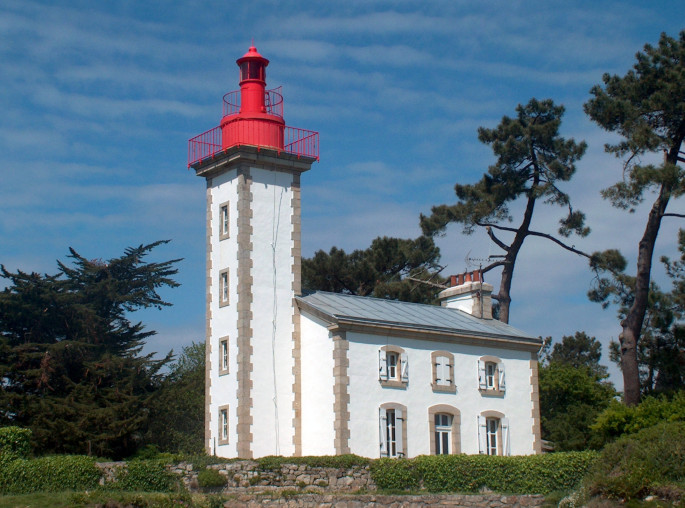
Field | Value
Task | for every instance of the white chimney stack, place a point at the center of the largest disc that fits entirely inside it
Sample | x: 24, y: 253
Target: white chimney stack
x: 469, y: 293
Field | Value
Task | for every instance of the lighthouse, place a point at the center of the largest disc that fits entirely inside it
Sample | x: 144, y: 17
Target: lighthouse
x: 252, y: 162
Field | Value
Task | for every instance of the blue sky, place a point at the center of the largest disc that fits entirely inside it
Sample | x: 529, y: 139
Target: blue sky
x: 99, y: 99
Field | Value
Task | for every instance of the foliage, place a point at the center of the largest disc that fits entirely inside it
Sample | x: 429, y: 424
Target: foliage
x: 15, y: 443
x: 395, y: 474
x: 573, y: 390
x: 661, y: 348
x: 531, y: 474
x: 570, y: 400
x: 123, y: 499
x: 618, y: 420
x: 211, y: 478
x: 532, y: 160
x: 639, y: 464
x: 382, y: 270
x: 177, y: 412
x: 145, y: 476
x: 51, y: 473
x: 70, y: 357
x: 272, y: 462
x: 646, y: 107
x: 579, y: 350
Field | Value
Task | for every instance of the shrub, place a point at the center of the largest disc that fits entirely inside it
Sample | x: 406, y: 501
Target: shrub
x: 211, y: 478
x: 395, y: 474
x: 15, y: 443
x: 639, y: 464
x: 145, y: 475
x: 532, y: 474
x: 53, y: 473
x: 619, y: 419
x: 338, y: 461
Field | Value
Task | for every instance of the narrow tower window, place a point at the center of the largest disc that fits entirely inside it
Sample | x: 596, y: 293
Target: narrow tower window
x: 224, y: 231
x: 223, y: 356
x: 223, y: 288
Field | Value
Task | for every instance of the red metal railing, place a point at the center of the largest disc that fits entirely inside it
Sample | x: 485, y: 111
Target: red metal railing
x: 273, y: 100
x: 204, y: 145
x: 300, y: 142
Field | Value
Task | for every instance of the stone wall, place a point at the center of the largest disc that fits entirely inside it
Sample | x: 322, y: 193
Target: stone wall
x: 245, y: 476
x: 361, y: 501
x: 303, y: 486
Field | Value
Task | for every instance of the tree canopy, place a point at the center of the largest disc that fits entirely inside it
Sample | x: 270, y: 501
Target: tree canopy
x: 388, y: 269
x: 177, y: 422
x: 70, y: 359
x: 573, y: 391
x: 532, y: 159
x: 646, y: 107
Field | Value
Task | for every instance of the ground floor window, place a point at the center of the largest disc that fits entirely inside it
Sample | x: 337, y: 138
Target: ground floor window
x: 392, y: 430
x: 443, y: 433
x: 493, y: 433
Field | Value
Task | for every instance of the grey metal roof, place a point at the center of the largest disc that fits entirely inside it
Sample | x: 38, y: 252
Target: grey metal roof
x: 367, y: 310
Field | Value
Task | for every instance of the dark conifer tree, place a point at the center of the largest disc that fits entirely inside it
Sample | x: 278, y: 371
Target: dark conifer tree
x: 70, y: 360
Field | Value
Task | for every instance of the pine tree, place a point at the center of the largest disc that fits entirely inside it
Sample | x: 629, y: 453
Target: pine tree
x: 532, y: 159
x: 646, y: 107
x: 70, y: 359
x: 388, y: 269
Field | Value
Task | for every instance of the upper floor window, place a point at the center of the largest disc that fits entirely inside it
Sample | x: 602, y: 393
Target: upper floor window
x: 224, y: 230
x: 223, y: 356
x: 491, y: 375
x: 392, y: 430
x: 393, y: 366
x: 443, y: 371
x: 223, y: 288
x: 493, y: 433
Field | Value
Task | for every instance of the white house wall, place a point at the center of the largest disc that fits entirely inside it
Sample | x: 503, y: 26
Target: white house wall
x: 317, y: 387
x: 367, y: 394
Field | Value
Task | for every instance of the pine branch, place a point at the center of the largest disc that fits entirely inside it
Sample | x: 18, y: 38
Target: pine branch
x: 570, y: 248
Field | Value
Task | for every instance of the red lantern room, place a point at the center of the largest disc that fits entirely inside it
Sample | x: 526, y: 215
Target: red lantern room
x: 253, y: 116
x: 259, y: 117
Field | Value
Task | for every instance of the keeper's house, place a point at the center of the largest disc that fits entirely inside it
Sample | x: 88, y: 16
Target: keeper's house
x: 326, y: 374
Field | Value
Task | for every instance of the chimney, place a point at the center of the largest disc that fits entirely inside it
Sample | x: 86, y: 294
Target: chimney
x: 470, y: 294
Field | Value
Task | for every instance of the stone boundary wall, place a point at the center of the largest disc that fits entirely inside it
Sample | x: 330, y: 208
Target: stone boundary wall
x: 303, y: 486
x: 245, y: 476
x: 361, y: 501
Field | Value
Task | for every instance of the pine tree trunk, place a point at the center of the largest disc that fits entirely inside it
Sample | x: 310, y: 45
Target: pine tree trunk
x: 632, y: 324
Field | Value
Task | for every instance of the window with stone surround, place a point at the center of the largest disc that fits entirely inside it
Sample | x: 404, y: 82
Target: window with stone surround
x: 393, y: 367
x: 443, y: 372
x: 223, y: 356
x: 491, y: 380
x: 392, y: 430
x: 444, y: 423
x: 223, y: 288
x: 224, y: 216
x: 493, y: 433
x: 223, y: 425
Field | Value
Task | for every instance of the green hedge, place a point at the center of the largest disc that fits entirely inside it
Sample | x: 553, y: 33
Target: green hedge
x: 145, y: 476
x: 15, y: 443
x: 532, y: 474
x: 339, y: 461
x: 50, y: 474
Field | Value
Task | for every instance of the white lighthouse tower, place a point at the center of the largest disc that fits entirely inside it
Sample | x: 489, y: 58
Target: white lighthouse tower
x: 252, y: 163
